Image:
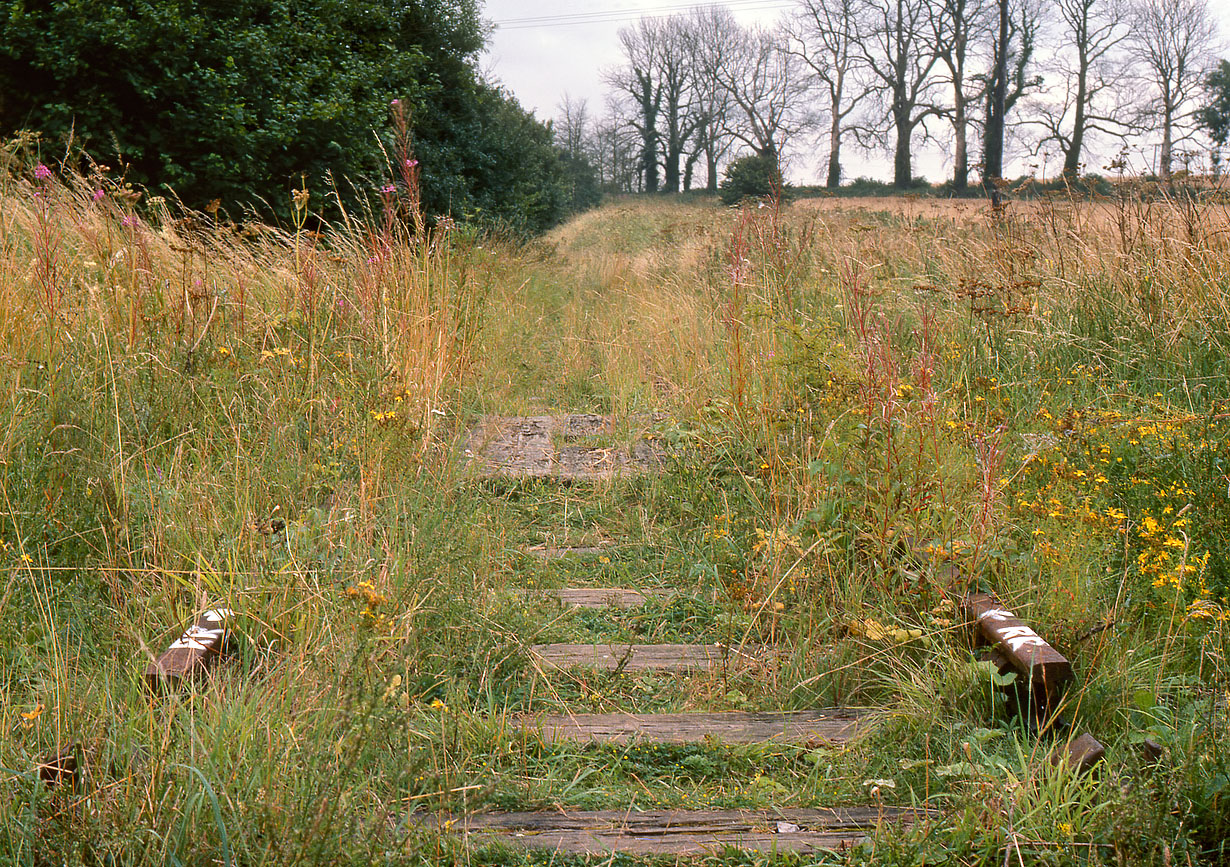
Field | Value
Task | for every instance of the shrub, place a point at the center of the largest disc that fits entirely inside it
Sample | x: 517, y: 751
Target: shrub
x: 756, y: 176
x: 245, y: 102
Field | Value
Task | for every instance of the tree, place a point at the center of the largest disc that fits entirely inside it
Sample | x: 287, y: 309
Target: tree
x: 899, y: 53
x: 1214, y: 115
x: 760, y: 78
x: 1172, y: 40
x: 709, y: 138
x: 1092, y: 80
x: 639, y: 81
x: 617, y: 148
x: 499, y: 133
x: 755, y: 176
x: 244, y: 101
x: 825, y: 35
x: 997, y: 92
x: 677, y: 73
x: 582, y: 178
x: 959, y: 27
x: 1015, y: 29
x: 572, y: 126
x: 709, y: 29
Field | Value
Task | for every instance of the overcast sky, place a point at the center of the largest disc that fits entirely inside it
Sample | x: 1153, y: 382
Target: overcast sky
x: 542, y: 49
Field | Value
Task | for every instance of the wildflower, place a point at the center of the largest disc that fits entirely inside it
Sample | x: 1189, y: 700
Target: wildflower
x: 394, y: 685
x: 30, y: 717
x: 411, y: 163
x: 129, y: 221
x: 388, y: 189
x: 98, y: 195
x: 42, y: 172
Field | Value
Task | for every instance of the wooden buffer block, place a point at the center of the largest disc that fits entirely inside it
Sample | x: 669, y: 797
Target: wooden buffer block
x: 192, y: 652
x: 1081, y: 754
x: 1042, y: 672
x: 59, y: 767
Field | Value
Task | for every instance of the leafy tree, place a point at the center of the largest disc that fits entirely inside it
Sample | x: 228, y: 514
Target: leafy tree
x: 500, y: 164
x: 1214, y: 116
x: 240, y: 99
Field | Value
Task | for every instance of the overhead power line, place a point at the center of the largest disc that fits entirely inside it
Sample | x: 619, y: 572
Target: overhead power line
x: 608, y: 16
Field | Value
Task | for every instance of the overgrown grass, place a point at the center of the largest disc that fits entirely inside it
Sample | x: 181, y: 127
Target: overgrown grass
x: 870, y: 410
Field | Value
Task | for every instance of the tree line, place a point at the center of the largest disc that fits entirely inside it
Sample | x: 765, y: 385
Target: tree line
x: 985, y: 77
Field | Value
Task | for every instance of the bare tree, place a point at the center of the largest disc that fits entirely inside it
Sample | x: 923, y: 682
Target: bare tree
x: 710, y: 29
x: 1092, y: 98
x: 639, y: 81
x: 572, y: 126
x: 617, y: 145
x: 677, y: 74
x: 1015, y: 27
x: 1173, y: 41
x: 760, y: 78
x: 709, y: 139
x: 960, y: 29
x: 825, y: 36
x: 899, y: 52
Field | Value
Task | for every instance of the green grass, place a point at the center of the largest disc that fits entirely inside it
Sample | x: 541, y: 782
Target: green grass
x: 886, y: 393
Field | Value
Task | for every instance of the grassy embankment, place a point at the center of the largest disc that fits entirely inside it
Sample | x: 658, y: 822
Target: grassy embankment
x: 859, y: 397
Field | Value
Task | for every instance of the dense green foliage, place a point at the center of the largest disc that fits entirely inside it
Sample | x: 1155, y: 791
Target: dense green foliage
x: 244, y: 101
x: 1215, y: 114
x: 751, y: 177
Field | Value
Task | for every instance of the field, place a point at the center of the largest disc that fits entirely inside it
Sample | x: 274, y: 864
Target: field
x: 862, y: 411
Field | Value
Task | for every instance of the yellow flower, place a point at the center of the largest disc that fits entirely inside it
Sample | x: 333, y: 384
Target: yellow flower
x: 30, y: 717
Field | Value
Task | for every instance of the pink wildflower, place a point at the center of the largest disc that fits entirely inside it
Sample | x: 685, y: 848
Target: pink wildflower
x: 42, y: 172
x: 388, y: 188
x: 98, y: 195
x: 129, y: 221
